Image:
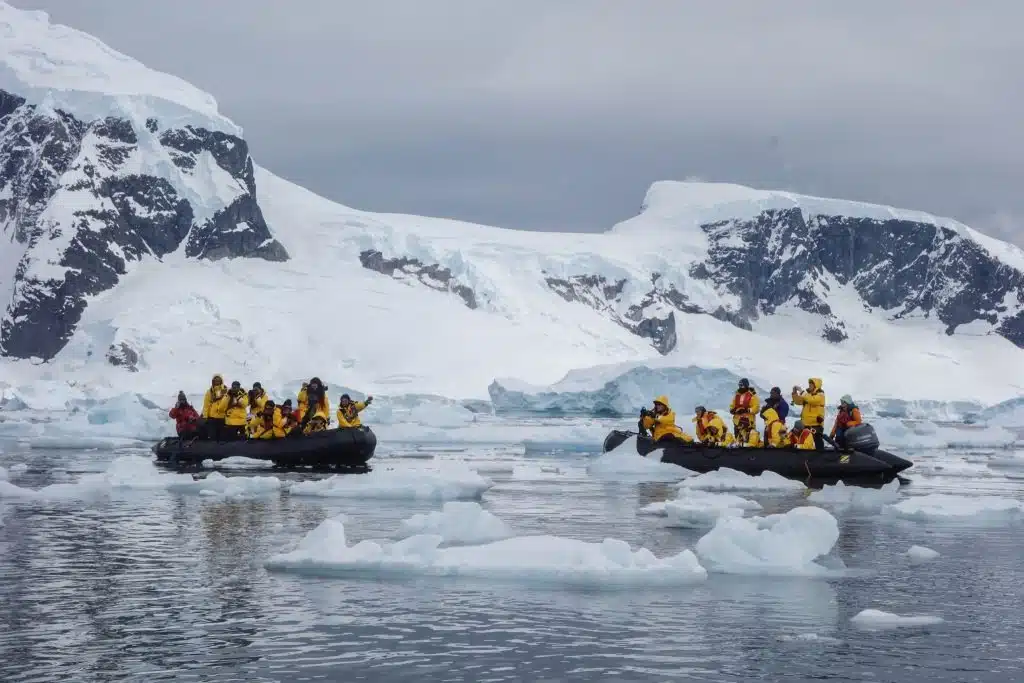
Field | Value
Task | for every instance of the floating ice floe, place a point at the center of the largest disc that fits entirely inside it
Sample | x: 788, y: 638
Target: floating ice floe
x: 895, y: 433
x: 624, y: 461
x: 947, y: 506
x: 919, y: 553
x: 454, y: 481
x: 725, y: 479
x: 877, y: 620
x: 548, y: 559
x: 697, y: 508
x: 458, y: 522
x: 843, y: 496
x: 131, y: 472
x: 788, y: 544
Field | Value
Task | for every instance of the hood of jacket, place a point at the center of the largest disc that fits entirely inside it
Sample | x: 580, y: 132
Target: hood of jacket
x: 816, y: 383
x: 663, y: 400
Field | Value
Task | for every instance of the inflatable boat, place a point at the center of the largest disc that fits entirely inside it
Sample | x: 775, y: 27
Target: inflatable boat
x: 862, y: 461
x: 349, y: 448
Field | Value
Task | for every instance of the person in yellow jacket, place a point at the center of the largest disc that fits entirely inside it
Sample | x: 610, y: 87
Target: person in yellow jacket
x: 801, y: 437
x: 774, y: 430
x: 746, y: 435
x: 303, y: 401
x: 237, y: 413
x: 744, y: 402
x: 268, y: 426
x: 711, y: 430
x: 813, y: 412
x: 348, y: 411
x: 317, y: 423
x: 215, y: 405
x: 317, y: 402
x: 661, y: 421
x: 257, y: 399
x: 289, y: 420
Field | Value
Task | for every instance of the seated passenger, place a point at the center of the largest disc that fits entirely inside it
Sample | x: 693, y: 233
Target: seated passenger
x: 317, y: 423
x: 236, y: 416
x: 801, y: 437
x: 269, y: 424
x: 662, y: 422
x: 849, y: 416
x: 746, y: 435
x: 289, y: 420
x: 774, y: 431
x: 348, y: 411
x: 186, y: 418
x: 711, y: 430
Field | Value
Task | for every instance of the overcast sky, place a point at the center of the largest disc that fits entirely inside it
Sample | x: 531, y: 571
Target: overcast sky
x: 558, y: 114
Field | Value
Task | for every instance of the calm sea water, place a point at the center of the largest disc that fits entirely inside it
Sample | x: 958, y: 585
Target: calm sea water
x: 154, y: 586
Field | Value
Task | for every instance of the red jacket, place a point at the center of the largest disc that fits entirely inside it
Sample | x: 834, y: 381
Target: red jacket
x: 185, y: 418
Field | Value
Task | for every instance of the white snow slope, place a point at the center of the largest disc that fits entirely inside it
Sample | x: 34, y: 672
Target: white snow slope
x: 253, y: 319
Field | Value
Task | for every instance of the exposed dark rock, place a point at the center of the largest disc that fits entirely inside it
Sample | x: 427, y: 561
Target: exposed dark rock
x: 151, y: 125
x: 595, y: 291
x: 122, y: 355
x: 81, y: 215
x: 432, y: 275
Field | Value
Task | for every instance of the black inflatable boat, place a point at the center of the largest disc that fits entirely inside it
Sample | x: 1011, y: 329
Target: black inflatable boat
x: 331, y: 449
x: 862, y: 462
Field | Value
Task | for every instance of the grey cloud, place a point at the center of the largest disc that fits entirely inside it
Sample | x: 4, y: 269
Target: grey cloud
x: 558, y: 115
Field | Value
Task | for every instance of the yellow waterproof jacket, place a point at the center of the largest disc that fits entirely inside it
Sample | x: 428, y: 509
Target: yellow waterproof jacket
x: 214, y: 404
x: 813, y: 412
x: 288, y: 425
x: 744, y: 403
x: 350, y: 417
x: 803, y: 440
x: 272, y: 431
x: 750, y: 439
x: 256, y: 416
x: 774, y: 430
x: 711, y: 430
x: 257, y: 403
x: 312, y: 425
x: 237, y: 410
x: 303, y: 402
x: 664, y: 425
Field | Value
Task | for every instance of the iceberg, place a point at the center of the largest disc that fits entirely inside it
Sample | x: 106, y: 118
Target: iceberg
x: 624, y: 461
x: 697, y: 508
x: 842, y: 496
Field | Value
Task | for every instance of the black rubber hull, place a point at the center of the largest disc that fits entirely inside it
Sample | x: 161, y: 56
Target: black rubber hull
x: 818, y: 466
x: 334, y: 448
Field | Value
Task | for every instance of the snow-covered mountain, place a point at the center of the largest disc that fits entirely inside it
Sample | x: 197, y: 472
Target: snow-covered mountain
x: 103, y: 162
x: 139, y: 236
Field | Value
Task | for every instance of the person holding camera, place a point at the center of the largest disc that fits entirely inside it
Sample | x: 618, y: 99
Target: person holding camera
x: 661, y: 421
x: 237, y: 414
x: 812, y: 415
x: 186, y: 418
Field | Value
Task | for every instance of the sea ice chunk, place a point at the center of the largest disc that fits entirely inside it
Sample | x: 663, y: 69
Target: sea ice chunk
x: 725, y: 479
x: 873, y: 619
x: 919, y: 553
x: 786, y: 544
x: 948, y: 506
x: 549, y: 559
x: 696, y: 508
x: 457, y: 522
x: 843, y: 496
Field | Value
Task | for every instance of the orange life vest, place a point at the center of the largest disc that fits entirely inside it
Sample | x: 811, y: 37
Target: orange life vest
x: 743, y: 401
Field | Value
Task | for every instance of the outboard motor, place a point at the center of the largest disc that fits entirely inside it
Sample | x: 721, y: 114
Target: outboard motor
x: 862, y: 438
